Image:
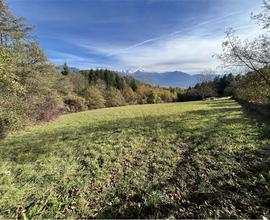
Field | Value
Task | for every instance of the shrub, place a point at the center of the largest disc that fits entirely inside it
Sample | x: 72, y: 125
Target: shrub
x: 75, y: 103
x: 94, y: 98
x: 166, y: 96
x: 8, y: 78
x: 129, y: 95
x: 48, y: 109
x: 64, y: 85
x: 114, y: 98
x: 252, y: 89
x: 152, y: 98
x: 5, y: 124
x: 9, y: 121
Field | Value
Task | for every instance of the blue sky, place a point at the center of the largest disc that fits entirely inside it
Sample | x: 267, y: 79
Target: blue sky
x: 151, y: 35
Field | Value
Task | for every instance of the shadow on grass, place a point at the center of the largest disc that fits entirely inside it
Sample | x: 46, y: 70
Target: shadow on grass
x: 211, y: 180
x: 222, y: 103
x: 29, y: 147
x: 223, y: 169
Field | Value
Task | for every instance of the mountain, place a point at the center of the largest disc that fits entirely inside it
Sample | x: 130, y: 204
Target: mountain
x: 167, y: 79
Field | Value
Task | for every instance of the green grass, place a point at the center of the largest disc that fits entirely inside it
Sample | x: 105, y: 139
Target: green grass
x: 205, y: 159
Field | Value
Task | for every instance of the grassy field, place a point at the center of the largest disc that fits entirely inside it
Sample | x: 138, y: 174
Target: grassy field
x: 181, y: 160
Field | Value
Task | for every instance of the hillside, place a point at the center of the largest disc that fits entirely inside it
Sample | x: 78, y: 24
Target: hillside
x: 164, y: 79
x: 205, y: 159
x: 167, y: 79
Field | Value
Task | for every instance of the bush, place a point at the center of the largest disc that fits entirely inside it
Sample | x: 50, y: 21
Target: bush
x: 15, y: 113
x: 9, y: 121
x: 166, y: 96
x: 94, y: 98
x: 114, y: 98
x: 75, y: 103
x: 129, y: 95
x: 48, y: 109
x: 5, y: 124
x: 252, y: 89
x: 152, y: 98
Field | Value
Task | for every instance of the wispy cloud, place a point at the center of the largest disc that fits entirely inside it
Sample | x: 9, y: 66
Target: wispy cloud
x: 59, y: 57
x: 182, y: 47
x: 190, y: 49
x: 210, y: 21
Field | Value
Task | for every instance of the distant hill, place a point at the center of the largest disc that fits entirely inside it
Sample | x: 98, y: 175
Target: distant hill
x: 167, y: 79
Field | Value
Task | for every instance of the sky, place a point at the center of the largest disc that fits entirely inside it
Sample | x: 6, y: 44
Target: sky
x: 130, y: 35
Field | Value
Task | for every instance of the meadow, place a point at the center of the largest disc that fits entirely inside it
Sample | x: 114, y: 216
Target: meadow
x: 203, y: 159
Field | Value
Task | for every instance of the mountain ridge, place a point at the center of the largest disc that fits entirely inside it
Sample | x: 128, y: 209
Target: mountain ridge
x: 167, y: 79
x: 163, y: 79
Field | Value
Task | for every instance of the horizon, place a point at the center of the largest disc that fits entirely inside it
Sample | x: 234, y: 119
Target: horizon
x: 151, y: 35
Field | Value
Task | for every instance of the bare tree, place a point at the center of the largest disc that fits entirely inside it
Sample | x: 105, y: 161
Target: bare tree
x: 255, y: 54
x: 263, y: 18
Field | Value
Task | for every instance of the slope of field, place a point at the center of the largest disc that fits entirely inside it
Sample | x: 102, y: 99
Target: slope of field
x: 182, y: 160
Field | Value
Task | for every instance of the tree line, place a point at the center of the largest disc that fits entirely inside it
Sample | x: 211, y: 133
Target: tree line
x: 247, y: 87
x: 251, y: 56
x: 99, y: 88
x: 33, y: 90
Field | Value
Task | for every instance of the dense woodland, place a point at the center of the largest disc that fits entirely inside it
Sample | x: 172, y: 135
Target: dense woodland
x: 33, y: 90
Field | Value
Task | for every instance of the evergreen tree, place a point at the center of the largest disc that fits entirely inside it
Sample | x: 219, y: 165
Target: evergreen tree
x: 152, y: 98
x: 65, y: 70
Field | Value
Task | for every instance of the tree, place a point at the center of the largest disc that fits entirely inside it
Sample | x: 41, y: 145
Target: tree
x: 251, y: 88
x: 65, y: 70
x: 263, y: 18
x: 12, y: 29
x: 204, y: 87
x: 75, y: 103
x: 254, y: 55
x: 129, y: 95
x: 80, y: 83
x: 114, y: 97
x: 64, y: 85
x: 94, y: 98
x: 26, y: 77
x: 8, y: 77
x: 166, y: 95
x: 133, y: 84
x: 143, y: 91
x: 119, y: 82
x: 152, y: 97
